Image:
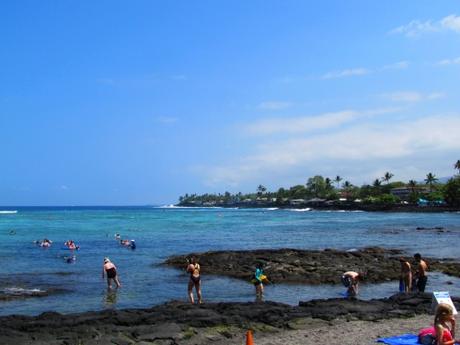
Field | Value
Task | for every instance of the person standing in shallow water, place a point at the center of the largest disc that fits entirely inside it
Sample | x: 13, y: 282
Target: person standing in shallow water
x: 258, y: 282
x: 406, y: 275
x: 194, y: 268
x: 111, y: 270
x: 420, y: 273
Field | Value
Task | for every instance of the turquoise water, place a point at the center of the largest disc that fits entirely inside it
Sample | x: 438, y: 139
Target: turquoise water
x: 161, y: 232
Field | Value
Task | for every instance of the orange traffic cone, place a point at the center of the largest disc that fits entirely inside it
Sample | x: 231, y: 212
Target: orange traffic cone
x: 249, y: 340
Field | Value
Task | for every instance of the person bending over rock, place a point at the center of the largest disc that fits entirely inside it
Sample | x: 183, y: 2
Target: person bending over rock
x: 111, y: 270
x: 351, y: 280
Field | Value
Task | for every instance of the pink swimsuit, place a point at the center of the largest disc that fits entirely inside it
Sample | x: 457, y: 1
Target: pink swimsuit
x: 446, y: 335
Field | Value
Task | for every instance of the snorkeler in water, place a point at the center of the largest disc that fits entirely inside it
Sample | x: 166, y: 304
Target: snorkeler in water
x: 45, y: 243
x: 71, y: 245
x: 70, y: 259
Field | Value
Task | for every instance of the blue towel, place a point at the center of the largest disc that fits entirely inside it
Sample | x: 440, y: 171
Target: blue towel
x: 405, y: 339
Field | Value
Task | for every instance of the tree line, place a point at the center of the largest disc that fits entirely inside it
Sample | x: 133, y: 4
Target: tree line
x: 319, y: 188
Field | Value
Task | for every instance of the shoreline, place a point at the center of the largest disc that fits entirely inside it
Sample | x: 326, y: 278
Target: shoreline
x: 309, y: 267
x: 342, y: 206
x: 221, y: 323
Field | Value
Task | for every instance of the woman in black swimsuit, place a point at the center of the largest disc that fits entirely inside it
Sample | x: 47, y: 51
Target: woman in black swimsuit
x: 195, y: 280
x: 111, y: 270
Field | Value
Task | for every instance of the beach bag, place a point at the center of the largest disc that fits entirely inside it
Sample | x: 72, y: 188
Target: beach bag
x: 427, y: 336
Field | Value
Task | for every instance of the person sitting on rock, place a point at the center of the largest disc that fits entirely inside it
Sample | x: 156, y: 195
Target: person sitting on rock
x: 350, y: 280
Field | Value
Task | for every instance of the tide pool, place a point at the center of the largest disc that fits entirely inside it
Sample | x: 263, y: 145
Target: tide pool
x: 161, y: 232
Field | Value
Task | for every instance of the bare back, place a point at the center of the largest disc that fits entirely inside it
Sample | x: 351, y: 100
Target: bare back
x: 422, y: 268
x: 108, y: 266
x: 405, y: 268
x: 351, y: 274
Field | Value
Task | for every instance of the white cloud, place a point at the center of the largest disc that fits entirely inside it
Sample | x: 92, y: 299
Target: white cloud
x: 455, y: 61
x: 417, y: 27
x: 274, y: 105
x: 346, y: 73
x: 166, y: 119
x: 397, y: 65
x: 403, y: 96
x: 412, y: 96
x: 303, y: 124
x: 358, y: 148
x: 451, y: 22
x: 436, y: 95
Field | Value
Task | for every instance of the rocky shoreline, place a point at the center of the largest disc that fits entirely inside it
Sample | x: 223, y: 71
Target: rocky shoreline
x: 217, y: 323
x: 339, y: 206
x: 178, y: 322
x: 313, y: 267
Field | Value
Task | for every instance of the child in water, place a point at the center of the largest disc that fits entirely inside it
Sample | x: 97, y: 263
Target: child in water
x: 443, y: 331
x: 258, y: 281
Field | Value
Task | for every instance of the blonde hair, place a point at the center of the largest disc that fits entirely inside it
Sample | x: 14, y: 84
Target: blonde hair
x: 442, y: 310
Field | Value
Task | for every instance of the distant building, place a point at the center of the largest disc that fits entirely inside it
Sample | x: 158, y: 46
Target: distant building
x: 404, y: 192
x: 316, y: 202
x: 295, y: 202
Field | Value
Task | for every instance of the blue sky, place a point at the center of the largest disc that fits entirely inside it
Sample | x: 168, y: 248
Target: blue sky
x: 121, y: 103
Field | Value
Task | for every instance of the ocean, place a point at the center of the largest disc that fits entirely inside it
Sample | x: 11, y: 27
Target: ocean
x: 159, y: 232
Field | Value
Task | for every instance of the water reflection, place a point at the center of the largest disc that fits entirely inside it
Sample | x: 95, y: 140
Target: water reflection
x: 110, y: 298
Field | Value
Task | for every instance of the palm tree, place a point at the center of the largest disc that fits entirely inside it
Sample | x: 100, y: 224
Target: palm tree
x: 387, y: 177
x: 328, y: 183
x: 412, y: 184
x: 261, y: 190
x: 430, y: 179
x: 347, y: 185
x: 457, y: 166
x: 337, y: 180
x: 377, y: 183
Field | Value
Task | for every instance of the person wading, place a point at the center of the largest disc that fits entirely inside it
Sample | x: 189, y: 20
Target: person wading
x: 195, y: 280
